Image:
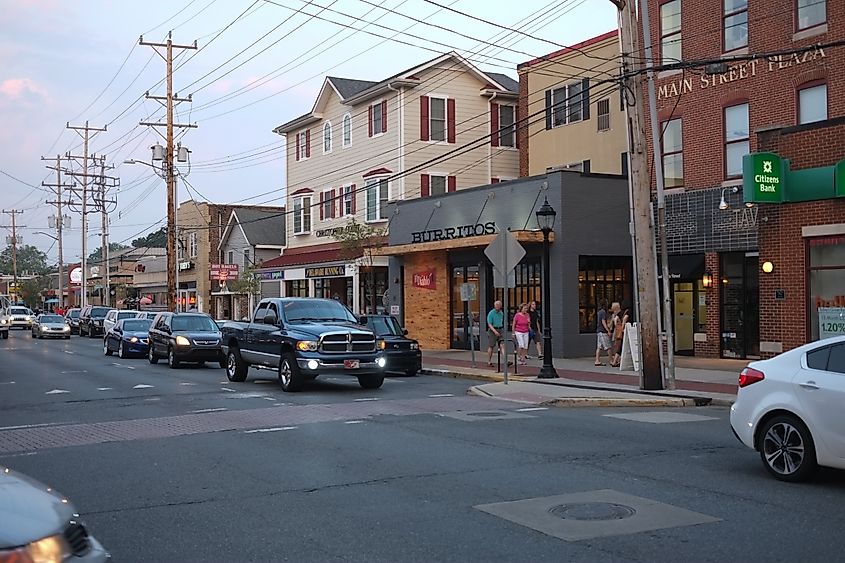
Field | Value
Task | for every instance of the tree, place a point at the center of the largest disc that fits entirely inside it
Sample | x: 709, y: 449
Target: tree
x: 30, y: 260
x: 30, y: 290
x: 248, y: 283
x: 156, y: 239
x: 364, y: 239
x: 97, y: 255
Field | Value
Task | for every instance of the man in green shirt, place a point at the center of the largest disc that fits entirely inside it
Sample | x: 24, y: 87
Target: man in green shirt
x: 495, y: 325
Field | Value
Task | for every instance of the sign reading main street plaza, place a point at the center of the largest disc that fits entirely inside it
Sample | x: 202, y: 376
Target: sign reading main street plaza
x: 763, y: 178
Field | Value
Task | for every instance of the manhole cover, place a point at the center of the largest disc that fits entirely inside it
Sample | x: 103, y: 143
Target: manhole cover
x: 486, y: 414
x: 592, y: 511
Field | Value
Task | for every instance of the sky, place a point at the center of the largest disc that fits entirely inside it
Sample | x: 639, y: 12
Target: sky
x: 259, y: 63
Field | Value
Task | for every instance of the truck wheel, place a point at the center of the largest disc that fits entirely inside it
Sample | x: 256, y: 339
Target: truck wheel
x: 152, y: 355
x: 289, y: 375
x: 411, y: 372
x: 106, y: 350
x: 5, y: 334
x: 370, y: 381
x: 172, y: 360
x: 236, y: 369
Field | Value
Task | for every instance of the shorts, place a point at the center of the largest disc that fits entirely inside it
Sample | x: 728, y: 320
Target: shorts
x: 521, y: 339
x: 602, y: 341
x: 491, y: 337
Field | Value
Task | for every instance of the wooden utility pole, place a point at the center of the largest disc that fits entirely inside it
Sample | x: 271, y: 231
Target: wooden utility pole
x: 105, y: 206
x: 643, y: 218
x: 169, y: 159
x: 58, y: 188
x: 14, y: 242
x: 86, y: 134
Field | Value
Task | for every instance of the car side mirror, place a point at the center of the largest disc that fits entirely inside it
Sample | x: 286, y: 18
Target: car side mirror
x: 271, y: 319
x: 405, y: 331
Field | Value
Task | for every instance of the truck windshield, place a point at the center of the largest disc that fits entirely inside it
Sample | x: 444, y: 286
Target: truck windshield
x: 316, y: 310
x: 194, y: 323
x: 99, y: 312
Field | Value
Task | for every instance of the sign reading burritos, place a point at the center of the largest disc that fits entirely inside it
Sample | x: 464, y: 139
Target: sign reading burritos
x: 326, y: 272
x: 456, y: 232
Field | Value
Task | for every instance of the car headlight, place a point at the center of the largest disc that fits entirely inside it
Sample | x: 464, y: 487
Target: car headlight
x: 182, y: 341
x: 382, y: 344
x: 27, y: 318
x: 415, y: 345
x: 307, y: 345
x: 49, y: 550
x: 2, y: 321
x: 134, y: 339
x: 65, y: 328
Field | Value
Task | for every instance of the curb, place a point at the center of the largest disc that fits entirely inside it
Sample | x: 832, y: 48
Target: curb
x: 495, y: 378
x: 564, y: 402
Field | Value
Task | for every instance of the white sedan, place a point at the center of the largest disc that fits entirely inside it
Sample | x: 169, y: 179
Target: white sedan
x: 790, y: 409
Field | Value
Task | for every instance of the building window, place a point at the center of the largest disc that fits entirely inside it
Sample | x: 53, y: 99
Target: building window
x: 601, y: 277
x: 566, y: 103
x: 670, y: 32
x: 302, y: 215
x: 327, y: 201
x: 438, y: 185
x: 603, y: 111
x: 296, y: 288
x: 437, y: 119
x: 812, y: 103
x: 623, y: 163
x: 826, y: 286
x: 192, y: 245
x: 673, y: 154
x: 303, y: 151
x: 348, y: 200
x: 377, y: 197
x: 736, y: 139
x: 507, y: 134
x: 347, y: 130
x: 180, y: 251
x: 327, y: 137
x: 231, y: 257
x: 247, y: 260
x: 735, y: 25
x: 378, y: 118
x: 811, y: 13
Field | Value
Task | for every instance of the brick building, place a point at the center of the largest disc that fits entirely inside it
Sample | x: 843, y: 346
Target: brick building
x: 710, y: 121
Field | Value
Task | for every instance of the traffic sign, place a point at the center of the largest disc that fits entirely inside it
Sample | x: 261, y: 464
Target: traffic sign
x: 499, y: 279
x: 504, y: 252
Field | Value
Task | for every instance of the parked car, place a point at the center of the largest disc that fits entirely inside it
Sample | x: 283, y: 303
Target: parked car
x: 39, y: 524
x: 91, y: 319
x: 185, y: 338
x: 789, y: 408
x: 49, y: 325
x: 149, y: 315
x: 300, y: 339
x: 127, y: 337
x: 72, y: 316
x: 115, y: 315
x: 21, y: 317
x: 5, y: 321
x: 402, y: 353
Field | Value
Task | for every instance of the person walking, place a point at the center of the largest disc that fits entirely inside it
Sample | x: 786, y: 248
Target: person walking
x: 602, y: 333
x: 521, y: 328
x: 536, y: 332
x: 495, y: 325
x: 620, y: 319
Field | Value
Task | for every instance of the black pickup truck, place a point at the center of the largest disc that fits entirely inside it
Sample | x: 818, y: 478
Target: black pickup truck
x: 301, y: 338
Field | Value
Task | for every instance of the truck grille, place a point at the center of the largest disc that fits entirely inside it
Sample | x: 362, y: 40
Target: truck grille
x: 348, y: 342
x: 76, y: 537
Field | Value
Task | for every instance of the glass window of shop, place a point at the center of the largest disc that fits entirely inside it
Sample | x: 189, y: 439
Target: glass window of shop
x: 740, y: 299
x: 528, y: 276
x: 373, y: 289
x: 601, y: 277
x: 296, y: 288
x: 339, y: 289
x: 826, y: 284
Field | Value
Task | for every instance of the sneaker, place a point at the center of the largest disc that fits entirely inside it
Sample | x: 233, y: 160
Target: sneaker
x: 527, y: 357
x: 540, y: 357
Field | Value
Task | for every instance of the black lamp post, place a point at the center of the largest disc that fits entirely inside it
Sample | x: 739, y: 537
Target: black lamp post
x: 546, y: 221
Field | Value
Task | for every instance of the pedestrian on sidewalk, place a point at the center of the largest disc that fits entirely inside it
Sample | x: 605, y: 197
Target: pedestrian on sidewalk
x: 495, y: 326
x: 620, y: 319
x: 536, y: 332
x: 602, y: 333
x: 521, y: 327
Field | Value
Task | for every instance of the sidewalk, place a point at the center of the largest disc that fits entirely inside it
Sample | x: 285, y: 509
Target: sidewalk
x: 696, y: 378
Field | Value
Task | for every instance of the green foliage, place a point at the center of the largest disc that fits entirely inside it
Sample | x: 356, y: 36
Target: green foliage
x: 248, y: 283
x: 97, y: 255
x: 30, y: 290
x: 157, y: 239
x: 356, y: 236
x: 31, y: 260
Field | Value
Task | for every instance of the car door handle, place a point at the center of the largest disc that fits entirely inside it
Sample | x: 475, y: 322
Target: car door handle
x: 809, y: 385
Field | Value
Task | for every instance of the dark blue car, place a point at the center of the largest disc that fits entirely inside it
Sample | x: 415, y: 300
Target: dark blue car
x: 128, y: 337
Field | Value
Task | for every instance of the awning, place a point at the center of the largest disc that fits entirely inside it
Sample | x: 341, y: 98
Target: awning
x: 683, y: 266
x: 319, y: 254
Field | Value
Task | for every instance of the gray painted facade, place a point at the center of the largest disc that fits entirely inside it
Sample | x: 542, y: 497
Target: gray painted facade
x: 592, y: 220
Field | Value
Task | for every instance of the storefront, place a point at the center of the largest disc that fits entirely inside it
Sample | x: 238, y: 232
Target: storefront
x: 442, y: 285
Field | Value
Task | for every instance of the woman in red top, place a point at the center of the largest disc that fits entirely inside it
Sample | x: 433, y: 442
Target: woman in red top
x: 521, y: 328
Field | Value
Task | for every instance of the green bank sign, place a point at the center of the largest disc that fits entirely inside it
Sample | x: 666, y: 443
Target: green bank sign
x: 767, y: 178
x: 763, y: 177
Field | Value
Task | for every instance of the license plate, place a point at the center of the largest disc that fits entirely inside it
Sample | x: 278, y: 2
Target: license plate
x: 351, y: 364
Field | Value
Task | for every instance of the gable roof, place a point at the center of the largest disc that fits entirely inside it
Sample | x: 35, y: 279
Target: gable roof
x: 503, y: 79
x: 348, y: 87
x: 261, y: 227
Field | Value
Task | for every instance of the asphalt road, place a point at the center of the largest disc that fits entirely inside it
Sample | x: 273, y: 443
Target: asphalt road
x: 180, y: 465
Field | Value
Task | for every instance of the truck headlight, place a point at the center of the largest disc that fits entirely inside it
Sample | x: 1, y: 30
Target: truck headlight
x: 307, y: 345
x: 382, y: 344
x: 182, y: 341
x: 380, y: 362
x: 2, y: 321
x: 27, y: 318
x: 134, y: 339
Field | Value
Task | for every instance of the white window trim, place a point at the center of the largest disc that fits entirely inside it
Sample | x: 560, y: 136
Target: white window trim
x: 343, y: 142
x: 798, y: 93
x: 327, y: 200
x: 301, y: 146
x: 376, y: 182
x: 445, y: 98
x: 445, y: 176
x: 331, y: 137
x: 373, y: 104
x: 501, y: 146
x: 192, y: 245
x: 566, y: 105
x: 352, y: 195
x: 301, y: 199
x: 243, y: 256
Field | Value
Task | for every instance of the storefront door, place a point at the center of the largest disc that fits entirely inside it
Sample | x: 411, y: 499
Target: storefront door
x: 465, y: 315
x: 684, y: 319
x: 740, y: 305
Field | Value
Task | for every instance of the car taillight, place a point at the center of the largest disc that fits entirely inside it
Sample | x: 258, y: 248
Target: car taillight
x: 749, y: 376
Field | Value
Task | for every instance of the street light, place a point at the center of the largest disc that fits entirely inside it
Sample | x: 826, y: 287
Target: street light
x: 546, y: 221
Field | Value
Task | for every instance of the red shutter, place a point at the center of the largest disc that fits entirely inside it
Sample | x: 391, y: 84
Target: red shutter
x: 494, y: 124
x: 424, y: 134
x: 516, y: 127
x: 494, y: 180
x: 370, y: 121
x: 334, y: 203
x: 450, y: 120
x: 354, y: 197
x: 308, y: 143
x: 321, y: 206
x: 452, y: 184
x: 425, y: 189
x: 297, y: 146
x: 384, y: 116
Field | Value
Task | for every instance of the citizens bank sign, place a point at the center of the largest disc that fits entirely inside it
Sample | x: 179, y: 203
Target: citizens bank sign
x: 456, y: 232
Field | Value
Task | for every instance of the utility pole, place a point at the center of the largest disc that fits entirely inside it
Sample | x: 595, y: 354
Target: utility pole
x: 60, y: 220
x: 105, y: 206
x: 169, y: 157
x: 86, y: 134
x: 650, y: 343
x: 14, y: 242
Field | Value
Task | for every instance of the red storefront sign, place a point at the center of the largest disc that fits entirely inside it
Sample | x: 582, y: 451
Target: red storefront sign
x: 224, y: 272
x: 425, y: 280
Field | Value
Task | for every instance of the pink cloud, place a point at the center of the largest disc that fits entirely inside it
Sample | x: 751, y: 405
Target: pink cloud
x: 17, y: 88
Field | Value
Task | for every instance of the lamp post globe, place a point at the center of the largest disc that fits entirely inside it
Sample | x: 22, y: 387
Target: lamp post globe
x: 546, y: 222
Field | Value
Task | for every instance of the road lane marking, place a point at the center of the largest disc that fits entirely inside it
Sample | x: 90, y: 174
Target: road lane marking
x: 68, y: 352
x: 366, y: 399
x: 262, y: 430
x: 353, y: 422
x: 30, y: 425
x: 186, y: 383
x: 104, y: 388
x: 225, y: 382
x: 143, y: 386
x: 74, y: 371
x: 438, y: 395
x: 56, y: 392
x: 269, y: 398
x: 7, y: 382
x: 227, y: 389
x: 532, y: 409
x: 210, y: 410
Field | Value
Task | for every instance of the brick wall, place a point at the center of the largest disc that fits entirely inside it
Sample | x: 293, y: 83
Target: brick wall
x: 710, y: 348
x: 780, y: 238
x: 427, y: 310
x: 523, y: 138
